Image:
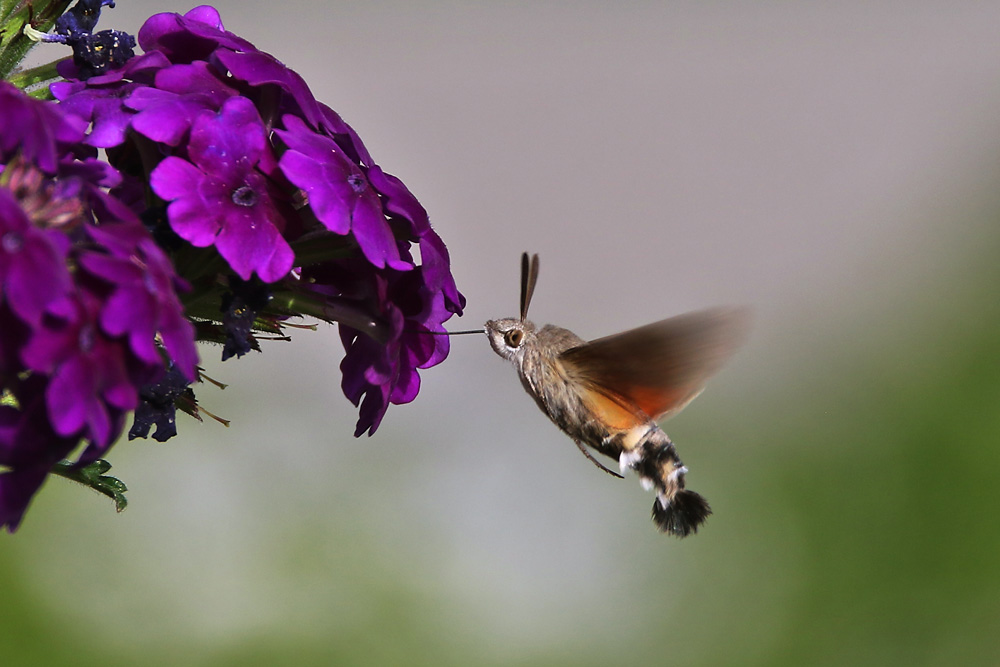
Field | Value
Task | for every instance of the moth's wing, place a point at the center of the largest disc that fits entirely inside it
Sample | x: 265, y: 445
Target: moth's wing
x: 658, y: 368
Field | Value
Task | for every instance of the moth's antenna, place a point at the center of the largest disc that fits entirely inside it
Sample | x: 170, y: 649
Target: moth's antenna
x: 529, y: 276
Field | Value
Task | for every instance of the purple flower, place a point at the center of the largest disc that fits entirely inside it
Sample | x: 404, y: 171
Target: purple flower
x: 256, y: 169
x: 268, y: 199
x: 194, y: 36
x: 28, y: 447
x: 381, y: 369
x: 339, y: 192
x: 219, y: 198
x: 102, y: 106
x: 18, y: 486
x: 182, y: 92
x: 32, y: 262
x: 96, y: 343
x: 101, y: 100
x: 260, y: 71
x: 141, y: 299
x: 82, y: 17
x: 89, y: 371
x: 400, y: 204
x: 85, y: 294
x: 39, y: 132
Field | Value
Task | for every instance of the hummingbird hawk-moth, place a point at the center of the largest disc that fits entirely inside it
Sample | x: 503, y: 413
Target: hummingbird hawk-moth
x: 608, y: 394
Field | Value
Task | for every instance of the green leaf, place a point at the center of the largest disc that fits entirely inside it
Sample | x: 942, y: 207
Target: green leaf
x: 14, y: 44
x: 92, y: 475
x: 35, y: 77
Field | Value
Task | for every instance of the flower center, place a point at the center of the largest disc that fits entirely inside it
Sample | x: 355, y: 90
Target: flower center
x: 357, y: 183
x: 244, y: 196
x: 12, y: 242
x: 86, y: 338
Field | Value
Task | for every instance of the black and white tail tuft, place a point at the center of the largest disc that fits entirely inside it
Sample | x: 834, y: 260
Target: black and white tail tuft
x: 681, y: 515
x: 676, y: 511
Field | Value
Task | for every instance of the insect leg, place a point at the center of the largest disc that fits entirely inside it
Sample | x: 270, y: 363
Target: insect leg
x: 595, y: 461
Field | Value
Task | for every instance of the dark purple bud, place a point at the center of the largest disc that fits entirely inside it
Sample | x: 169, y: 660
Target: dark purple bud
x: 240, y: 307
x: 82, y: 17
x: 96, y: 53
x: 158, y: 406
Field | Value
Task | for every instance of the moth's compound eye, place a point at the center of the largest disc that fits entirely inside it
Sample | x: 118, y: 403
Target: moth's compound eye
x: 513, y: 338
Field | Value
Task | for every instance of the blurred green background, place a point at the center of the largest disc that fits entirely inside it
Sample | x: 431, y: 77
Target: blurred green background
x: 835, y: 166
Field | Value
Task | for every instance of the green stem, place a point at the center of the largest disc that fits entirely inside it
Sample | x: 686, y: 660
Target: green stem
x: 34, y: 76
x: 333, y: 309
x: 321, y: 248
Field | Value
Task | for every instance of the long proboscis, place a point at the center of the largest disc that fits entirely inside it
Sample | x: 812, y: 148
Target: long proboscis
x: 453, y: 333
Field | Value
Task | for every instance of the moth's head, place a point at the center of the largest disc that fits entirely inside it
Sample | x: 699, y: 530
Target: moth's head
x: 509, y: 336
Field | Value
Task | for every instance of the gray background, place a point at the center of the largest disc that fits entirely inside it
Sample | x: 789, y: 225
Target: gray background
x: 830, y: 164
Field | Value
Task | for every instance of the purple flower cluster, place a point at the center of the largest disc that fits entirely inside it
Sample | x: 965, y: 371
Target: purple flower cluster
x: 220, y: 162
x: 256, y: 168
x: 85, y: 294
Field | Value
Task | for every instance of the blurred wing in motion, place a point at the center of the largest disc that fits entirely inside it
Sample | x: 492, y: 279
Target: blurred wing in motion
x: 659, y: 368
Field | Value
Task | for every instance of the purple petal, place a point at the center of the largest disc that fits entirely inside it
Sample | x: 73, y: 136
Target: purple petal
x: 190, y: 37
x: 193, y: 221
x: 373, y: 233
x: 71, y: 398
x: 17, y: 487
x: 104, y: 108
x: 406, y: 386
x: 230, y: 141
x: 258, y: 68
x: 314, y: 178
x: 197, y: 78
x: 339, y: 193
x: 335, y: 126
x: 37, y: 130
x: 207, y: 15
x: 252, y: 247
x: 165, y: 117
x: 399, y: 200
x: 179, y: 339
x: 174, y: 178
x: 33, y: 272
x: 436, y: 270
